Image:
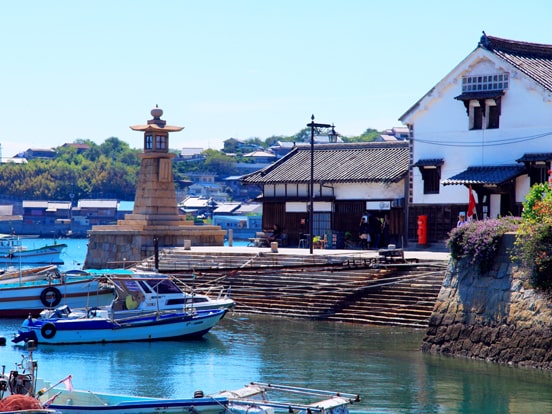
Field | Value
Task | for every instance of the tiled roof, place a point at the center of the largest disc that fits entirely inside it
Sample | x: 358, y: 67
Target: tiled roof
x: 429, y: 162
x: 479, y: 95
x: 532, y: 59
x: 492, y: 175
x: 534, y: 156
x: 378, y: 162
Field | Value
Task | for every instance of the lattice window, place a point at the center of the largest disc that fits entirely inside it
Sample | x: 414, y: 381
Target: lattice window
x: 480, y: 83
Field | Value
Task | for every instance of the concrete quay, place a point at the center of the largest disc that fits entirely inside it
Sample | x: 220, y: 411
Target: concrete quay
x: 436, y: 252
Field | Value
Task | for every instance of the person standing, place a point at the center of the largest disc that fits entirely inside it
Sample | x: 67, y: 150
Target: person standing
x: 374, y: 226
x: 385, y: 231
x: 461, y: 219
x: 364, y: 234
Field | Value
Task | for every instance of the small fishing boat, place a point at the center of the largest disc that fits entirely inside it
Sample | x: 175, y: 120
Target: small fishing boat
x: 13, y: 252
x: 21, y: 298
x: 11, y: 274
x: 17, y: 389
x: 60, y: 397
x: 255, y: 397
x: 100, y: 325
x: 146, y: 294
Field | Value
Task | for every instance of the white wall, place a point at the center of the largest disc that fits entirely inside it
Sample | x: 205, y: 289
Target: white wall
x: 348, y: 191
x: 441, y: 128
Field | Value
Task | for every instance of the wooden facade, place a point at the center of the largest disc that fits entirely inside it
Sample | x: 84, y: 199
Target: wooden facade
x: 370, y: 178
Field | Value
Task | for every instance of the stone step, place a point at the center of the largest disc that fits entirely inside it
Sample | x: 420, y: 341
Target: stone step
x: 341, y: 290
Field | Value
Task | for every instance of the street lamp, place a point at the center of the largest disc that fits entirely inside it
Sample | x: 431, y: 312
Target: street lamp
x: 332, y: 136
x: 313, y: 125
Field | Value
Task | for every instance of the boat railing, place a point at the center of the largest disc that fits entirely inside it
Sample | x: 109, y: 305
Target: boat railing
x: 132, y: 318
x: 255, y: 394
x: 308, y: 391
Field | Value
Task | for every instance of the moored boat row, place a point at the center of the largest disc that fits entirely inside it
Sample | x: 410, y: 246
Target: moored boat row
x: 42, y: 397
x: 47, y: 288
x: 137, y: 307
x: 141, y: 307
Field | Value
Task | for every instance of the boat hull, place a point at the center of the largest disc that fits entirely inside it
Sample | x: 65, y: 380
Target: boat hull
x: 86, y: 402
x: 142, y: 328
x: 43, y: 255
x: 20, y: 300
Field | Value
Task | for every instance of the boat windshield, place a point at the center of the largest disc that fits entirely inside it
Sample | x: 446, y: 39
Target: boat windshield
x: 148, y: 286
x: 160, y: 286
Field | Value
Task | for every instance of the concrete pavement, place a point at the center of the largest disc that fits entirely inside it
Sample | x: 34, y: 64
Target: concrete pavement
x: 428, y: 252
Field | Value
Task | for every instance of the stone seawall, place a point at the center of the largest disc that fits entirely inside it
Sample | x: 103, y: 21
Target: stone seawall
x: 494, y: 316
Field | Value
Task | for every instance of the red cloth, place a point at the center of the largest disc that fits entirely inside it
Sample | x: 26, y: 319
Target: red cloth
x: 471, y: 204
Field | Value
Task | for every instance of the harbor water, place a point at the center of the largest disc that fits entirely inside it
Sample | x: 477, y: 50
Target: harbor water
x: 382, y: 364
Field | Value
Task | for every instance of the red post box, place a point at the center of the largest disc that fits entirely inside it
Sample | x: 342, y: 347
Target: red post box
x: 422, y: 229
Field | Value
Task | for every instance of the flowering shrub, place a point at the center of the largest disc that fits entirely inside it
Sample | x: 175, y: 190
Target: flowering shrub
x: 533, y: 245
x: 479, y: 240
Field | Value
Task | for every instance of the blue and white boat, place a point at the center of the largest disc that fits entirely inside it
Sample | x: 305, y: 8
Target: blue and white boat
x: 62, y: 398
x: 20, y: 296
x: 101, y: 325
x: 13, y: 252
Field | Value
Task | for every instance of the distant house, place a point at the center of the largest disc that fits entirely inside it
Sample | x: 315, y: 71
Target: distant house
x: 198, y: 206
x: 281, y: 148
x: 191, y: 153
x: 226, y: 208
x: 243, y: 219
x: 233, y: 145
x: 45, y: 153
x: 261, y: 157
x: 14, y: 160
x: 39, y: 216
x: 79, y: 147
x: 239, y: 191
x: 394, y: 134
x: 250, y: 209
x: 97, y: 211
x: 205, y: 185
x: 487, y: 125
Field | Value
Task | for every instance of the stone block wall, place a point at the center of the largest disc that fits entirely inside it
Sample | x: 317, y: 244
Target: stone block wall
x: 493, y: 316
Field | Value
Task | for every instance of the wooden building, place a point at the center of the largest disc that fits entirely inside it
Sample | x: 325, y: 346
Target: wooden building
x: 485, y: 125
x: 349, y: 180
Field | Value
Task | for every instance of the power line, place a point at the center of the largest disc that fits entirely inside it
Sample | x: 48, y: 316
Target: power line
x: 508, y: 141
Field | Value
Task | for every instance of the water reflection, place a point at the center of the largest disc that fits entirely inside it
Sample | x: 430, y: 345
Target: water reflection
x: 383, y: 364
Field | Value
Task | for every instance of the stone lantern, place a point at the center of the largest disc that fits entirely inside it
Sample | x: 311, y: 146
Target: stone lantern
x: 155, y: 221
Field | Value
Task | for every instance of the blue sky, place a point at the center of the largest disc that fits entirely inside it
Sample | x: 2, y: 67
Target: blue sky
x: 236, y: 68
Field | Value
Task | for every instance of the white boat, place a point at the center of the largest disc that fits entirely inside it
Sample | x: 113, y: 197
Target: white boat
x: 21, y: 298
x: 146, y: 292
x: 99, y: 325
x: 62, y: 398
x: 254, y: 398
x: 13, y: 252
x: 11, y: 274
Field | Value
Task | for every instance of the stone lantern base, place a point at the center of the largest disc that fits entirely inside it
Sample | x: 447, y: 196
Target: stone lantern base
x: 132, y: 240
